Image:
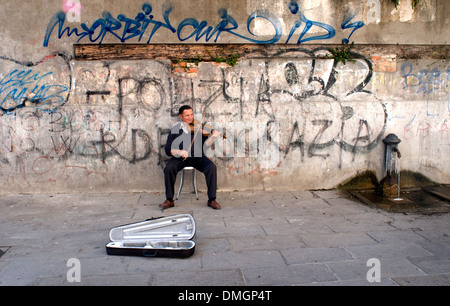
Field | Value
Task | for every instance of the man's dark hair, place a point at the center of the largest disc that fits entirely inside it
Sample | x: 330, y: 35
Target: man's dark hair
x: 183, y: 108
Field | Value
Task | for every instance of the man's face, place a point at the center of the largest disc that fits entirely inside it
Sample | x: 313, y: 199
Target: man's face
x: 187, y: 116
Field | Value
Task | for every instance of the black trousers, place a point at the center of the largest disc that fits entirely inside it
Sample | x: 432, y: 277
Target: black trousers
x: 202, y: 164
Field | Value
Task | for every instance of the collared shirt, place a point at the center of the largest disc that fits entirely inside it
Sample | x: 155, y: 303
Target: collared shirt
x: 181, y: 126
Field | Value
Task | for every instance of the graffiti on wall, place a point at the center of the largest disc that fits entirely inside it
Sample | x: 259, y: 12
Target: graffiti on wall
x: 82, y: 123
x: 323, y: 111
x: 120, y: 114
x: 430, y: 83
x: 25, y: 85
x: 426, y: 81
x: 144, y: 26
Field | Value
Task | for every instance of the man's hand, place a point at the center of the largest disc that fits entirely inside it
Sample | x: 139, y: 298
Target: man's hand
x: 184, y: 154
x: 215, y: 134
x: 180, y: 153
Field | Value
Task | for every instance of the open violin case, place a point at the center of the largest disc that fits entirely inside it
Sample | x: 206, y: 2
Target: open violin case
x: 169, y: 236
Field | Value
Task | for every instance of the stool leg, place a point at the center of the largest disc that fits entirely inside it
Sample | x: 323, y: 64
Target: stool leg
x: 195, y: 183
x: 181, y: 183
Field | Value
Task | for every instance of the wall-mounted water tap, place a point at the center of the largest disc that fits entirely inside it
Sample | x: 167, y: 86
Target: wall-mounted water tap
x: 391, y: 182
x: 391, y: 141
x: 396, y: 150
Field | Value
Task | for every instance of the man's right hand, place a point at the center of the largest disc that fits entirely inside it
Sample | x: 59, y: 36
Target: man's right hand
x: 180, y: 153
x: 184, y: 154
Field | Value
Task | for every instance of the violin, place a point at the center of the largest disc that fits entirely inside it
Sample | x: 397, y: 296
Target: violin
x: 206, y: 129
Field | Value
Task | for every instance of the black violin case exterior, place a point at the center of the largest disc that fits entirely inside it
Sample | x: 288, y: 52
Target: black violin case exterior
x: 169, y: 236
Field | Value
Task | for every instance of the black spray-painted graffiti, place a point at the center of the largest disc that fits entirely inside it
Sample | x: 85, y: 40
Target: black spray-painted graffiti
x: 347, y: 117
x: 103, y: 138
x: 308, y: 103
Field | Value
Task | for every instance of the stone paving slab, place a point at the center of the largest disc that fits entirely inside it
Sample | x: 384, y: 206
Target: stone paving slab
x: 289, y: 275
x: 427, y: 280
x: 198, y: 278
x: 315, y: 255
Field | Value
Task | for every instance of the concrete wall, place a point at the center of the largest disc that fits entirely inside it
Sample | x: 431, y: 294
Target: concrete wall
x: 80, y: 126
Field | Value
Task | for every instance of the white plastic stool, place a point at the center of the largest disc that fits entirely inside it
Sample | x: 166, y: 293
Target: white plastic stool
x: 194, y: 181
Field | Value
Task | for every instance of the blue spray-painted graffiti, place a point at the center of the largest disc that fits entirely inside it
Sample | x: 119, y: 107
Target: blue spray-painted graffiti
x: 223, y: 27
x: 18, y: 87
x: 29, y: 86
x: 347, y: 25
x: 108, y: 24
x: 308, y: 25
x: 294, y: 8
x: 124, y: 28
x: 426, y: 81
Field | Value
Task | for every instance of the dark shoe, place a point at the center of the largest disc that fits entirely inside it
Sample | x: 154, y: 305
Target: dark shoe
x: 166, y: 204
x: 214, y: 205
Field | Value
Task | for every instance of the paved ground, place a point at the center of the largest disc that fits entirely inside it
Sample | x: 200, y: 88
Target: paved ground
x: 258, y: 238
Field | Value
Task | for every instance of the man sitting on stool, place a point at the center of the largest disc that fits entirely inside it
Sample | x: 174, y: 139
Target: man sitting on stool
x: 186, y: 149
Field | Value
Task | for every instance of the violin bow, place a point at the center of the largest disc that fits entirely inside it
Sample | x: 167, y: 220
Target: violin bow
x: 196, y: 133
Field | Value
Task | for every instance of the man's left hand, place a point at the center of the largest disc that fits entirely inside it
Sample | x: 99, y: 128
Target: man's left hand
x: 215, y: 134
